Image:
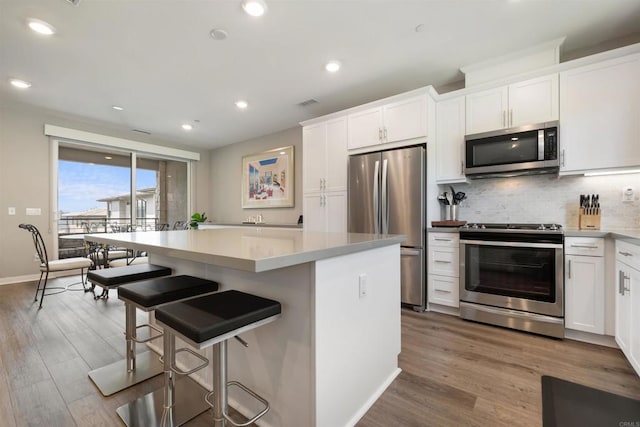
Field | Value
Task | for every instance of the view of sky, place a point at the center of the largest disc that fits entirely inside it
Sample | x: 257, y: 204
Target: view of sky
x: 80, y: 185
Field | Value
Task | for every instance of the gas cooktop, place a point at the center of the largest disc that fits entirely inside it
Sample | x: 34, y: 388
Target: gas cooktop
x: 497, y: 227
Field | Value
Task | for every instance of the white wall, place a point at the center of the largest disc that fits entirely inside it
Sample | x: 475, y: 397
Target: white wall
x: 25, y: 176
x: 549, y: 199
x: 226, y: 179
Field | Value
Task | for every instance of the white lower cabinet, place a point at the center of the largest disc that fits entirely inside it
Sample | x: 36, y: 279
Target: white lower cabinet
x: 628, y: 301
x: 443, y: 270
x: 325, y: 212
x: 584, y: 284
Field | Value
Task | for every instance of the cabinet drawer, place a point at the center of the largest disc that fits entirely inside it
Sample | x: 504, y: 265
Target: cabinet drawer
x: 628, y: 253
x: 444, y: 261
x: 444, y: 239
x: 443, y: 290
x: 589, y: 246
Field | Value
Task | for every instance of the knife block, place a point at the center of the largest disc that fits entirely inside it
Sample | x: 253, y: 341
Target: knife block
x: 590, y: 221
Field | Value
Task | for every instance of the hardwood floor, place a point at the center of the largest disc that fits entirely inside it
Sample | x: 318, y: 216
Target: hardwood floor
x: 454, y: 372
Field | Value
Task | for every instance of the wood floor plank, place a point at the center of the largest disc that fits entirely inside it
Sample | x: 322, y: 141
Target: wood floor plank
x: 455, y: 372
x: 6, y: 410
x: 40, y: 404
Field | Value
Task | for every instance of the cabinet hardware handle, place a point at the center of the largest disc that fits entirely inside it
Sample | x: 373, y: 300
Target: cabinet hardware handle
x: 625, y: 253
x: 562, y: 156
x: 573, y: 245
x: 379, y: 134
x: 442, y: 240
x: 461, y: 167
x: 511, y: 117
x: 569, y: 270
x: 504, y: 114
x: 385, y: 133
x: 442, y: 261
x: 620, y: 282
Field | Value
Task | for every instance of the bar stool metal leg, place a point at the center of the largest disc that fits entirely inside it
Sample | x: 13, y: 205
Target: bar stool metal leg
x: 134, y: 369
x: 219, y: 361
x: 168, y: 416
x: 130, y: 330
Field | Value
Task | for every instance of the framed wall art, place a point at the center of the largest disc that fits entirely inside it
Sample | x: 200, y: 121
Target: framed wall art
x: 268, y: 179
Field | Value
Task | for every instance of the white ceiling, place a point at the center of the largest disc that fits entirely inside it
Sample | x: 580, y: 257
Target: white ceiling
x: 156, y: 58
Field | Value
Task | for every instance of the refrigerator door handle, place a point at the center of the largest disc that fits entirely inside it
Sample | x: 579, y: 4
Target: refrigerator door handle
x: 385, y: 198
x: 376, y: 212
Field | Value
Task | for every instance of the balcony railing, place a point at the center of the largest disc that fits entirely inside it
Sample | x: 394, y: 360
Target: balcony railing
x: 71, y: 229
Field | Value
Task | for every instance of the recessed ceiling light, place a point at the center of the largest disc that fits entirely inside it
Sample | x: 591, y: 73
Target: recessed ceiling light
x: 41, y: 27
x: 108, y: 157
x: 419, y: 28
x: 254, y: 7
x: 117, y: 107
x: 332, y: 66
x: 20, y: 84
x: 242, y: 104
x: 218, y: 34
x: 187, y: 126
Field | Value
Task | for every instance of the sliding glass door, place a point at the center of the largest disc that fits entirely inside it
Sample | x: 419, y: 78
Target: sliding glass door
x: 94, y: 193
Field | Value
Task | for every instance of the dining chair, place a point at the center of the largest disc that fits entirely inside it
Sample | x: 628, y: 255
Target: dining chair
x: 180, y: 225
x: 46, y: 266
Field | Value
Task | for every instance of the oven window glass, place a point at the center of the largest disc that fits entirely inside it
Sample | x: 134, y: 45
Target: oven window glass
x: 518, y: 148
x: 511, y: 271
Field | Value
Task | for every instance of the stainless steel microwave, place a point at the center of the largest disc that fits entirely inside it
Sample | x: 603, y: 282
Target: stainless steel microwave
x: 524, y: 150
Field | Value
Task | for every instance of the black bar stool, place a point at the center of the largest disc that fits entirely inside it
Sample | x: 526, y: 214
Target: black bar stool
x: 146, y: 295
x: 112, y: 278
x: 202, y: 323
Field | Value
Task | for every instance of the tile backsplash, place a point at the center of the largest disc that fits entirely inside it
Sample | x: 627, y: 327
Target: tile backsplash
x: 549, y: 199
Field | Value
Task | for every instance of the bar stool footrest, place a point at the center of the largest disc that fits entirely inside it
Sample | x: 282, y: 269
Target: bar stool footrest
x: 151, y: 337
x: 196, y: 369
x: 250, y: 393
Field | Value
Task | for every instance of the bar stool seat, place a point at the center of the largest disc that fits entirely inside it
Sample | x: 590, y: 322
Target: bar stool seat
x: 110, y: 278
x: 146, y: 295
x: 206, y: 318
x: 204, y: 322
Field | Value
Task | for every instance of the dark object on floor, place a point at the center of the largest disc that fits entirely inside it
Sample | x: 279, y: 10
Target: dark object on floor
x: 567, y: 404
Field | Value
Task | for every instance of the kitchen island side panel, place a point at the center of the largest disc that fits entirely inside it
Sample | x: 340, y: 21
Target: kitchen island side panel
x: 278, y: 362
x: 357, y: 332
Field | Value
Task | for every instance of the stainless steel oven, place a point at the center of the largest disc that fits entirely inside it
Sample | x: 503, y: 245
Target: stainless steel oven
x: 512, y: 275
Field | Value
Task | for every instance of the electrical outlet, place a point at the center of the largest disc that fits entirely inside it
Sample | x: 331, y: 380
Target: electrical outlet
x: 627, y: 194
x: 12, y: 211
x: 362, y: 285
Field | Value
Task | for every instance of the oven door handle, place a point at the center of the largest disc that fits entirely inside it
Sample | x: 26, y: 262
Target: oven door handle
x: 513, y: 244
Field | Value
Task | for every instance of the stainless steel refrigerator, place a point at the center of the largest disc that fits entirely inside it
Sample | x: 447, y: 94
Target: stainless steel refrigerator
x: 387, y: 196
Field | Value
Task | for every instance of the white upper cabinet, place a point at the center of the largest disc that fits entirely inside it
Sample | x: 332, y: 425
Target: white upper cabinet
x: 486, y: 110
x: 365, y: 128
x: 527, y: 102
x: 324, y: 156
x: 450, y: 130
x: 395, y: 121
x: 324, y: 175
x: 600, y: 111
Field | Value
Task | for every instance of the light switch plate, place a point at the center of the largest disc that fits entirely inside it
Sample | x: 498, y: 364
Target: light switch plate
x: 12, y: 211
x: 627, y: 194
x: 33, y: 211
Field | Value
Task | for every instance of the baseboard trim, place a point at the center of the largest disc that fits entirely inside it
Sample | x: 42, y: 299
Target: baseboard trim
x: 604, y: 340
x: 374, y: 397
x: 452, y: 311
x: 34, y: 277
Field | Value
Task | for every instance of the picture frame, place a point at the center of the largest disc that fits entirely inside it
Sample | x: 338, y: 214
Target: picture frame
x: 268, y: 179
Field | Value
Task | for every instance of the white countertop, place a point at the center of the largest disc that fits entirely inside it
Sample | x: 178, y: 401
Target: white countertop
x: 252, y: 249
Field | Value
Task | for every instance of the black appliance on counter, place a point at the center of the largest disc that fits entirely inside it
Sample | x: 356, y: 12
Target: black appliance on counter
x: 512, y: 275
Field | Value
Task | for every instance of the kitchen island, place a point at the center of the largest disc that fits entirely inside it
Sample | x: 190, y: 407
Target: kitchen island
x: 335, y: 349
